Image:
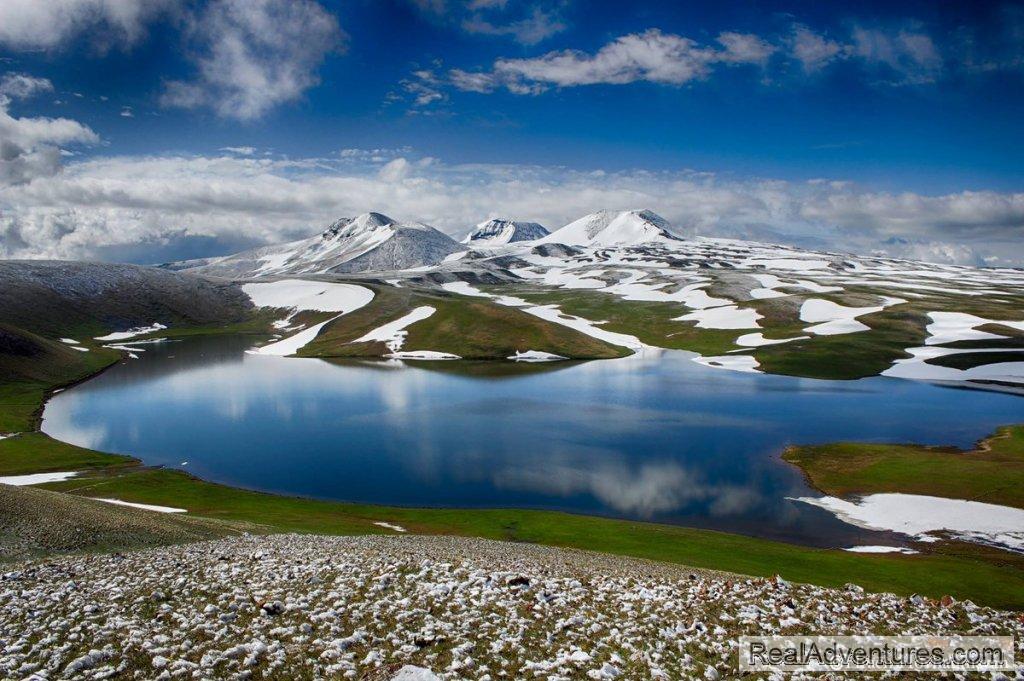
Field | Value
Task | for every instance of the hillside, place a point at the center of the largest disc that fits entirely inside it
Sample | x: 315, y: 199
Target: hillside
x: 424, y: 608
x: 369, y: 242
x: 38, y: 522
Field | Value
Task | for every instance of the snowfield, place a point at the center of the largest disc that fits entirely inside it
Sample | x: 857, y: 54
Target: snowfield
x: 130, y: 333
x: 298, y: 295
x: 303, y: 294
x: 923, y: 516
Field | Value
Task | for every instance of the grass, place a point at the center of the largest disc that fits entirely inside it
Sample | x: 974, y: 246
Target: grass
x: 970, y: 360
x: 31, y: 365
x: 841, y: 357
x: 472, y: 328
x: 935, y: 575
x: 993, y: 472
x: 38, y: 453
x: 987, y: 577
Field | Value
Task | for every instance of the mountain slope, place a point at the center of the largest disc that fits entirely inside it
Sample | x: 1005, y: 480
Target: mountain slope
x: 369, y: 242
x: 614, y: 228
x: 498, y: 231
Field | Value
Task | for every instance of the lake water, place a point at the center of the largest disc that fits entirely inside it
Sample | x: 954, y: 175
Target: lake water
x: 657, y: 438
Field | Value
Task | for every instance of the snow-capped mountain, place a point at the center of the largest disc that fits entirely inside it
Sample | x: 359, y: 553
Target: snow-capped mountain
x: 498, y: 232
x: 369, y: 242
x: 614, y: 228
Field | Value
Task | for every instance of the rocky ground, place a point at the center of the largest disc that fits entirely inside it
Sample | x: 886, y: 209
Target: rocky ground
x: 297, y: 607
x: 35, y: 522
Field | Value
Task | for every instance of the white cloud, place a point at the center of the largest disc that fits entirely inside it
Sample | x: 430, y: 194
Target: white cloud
x: 532, y: 29
x: 910, y: 53
x: 744, y: 48
x: 22, y: 86
x: 526, y: 23
x: 46, y: 24
x: 241, y: 151
x: 28, y: 146
x: 252, y: 55
x: 97, y: 205
x: 812, y: 50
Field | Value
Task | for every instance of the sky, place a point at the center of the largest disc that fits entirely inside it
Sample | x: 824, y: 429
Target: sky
x: 156, y: 130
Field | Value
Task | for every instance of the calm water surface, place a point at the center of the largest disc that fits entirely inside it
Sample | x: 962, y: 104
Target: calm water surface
x: 659, y: 438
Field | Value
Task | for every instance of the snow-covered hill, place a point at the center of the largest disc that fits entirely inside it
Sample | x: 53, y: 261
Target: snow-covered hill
x: 369, y: 242
x: 498, y: 232
x: 614, y: 228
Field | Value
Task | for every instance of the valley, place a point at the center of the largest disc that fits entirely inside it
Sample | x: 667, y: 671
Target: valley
x: 403, y: 317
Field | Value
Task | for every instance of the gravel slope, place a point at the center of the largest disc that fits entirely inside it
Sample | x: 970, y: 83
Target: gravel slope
x: 296, y: 607
x: 36, y: 522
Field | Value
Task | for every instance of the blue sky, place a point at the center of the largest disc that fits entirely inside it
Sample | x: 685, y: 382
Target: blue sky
x: 890, y: 127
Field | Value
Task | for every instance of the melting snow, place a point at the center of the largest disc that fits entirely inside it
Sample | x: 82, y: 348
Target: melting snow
x: 922, y: 516
x: 131, y: 333
x: 393, y: 333
x: 727, y: 317
x: 145, y: 507
x: 301, y: 294
x: 535, y: 356
x: 396, y: 528
x: 464, y: 289
x: 422, y: 354
x: 745, y: 363
x: 880, y: 549
x: 949, y: 327
x: 37, y: 478
x: 292, y: 344
x: 833, y: 319
x: 756, y: 340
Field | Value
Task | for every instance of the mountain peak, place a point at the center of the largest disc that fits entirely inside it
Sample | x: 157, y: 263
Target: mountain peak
x: 615, y: 228
x: 499, y: 231
x: 367, y: 222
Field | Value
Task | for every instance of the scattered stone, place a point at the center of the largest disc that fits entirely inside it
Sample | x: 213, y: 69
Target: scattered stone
x: 418, y: 608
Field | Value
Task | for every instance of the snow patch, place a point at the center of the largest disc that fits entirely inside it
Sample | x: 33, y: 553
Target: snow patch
x: 37, y: 478
x: 393, y: 333
x: 396, y: 528
x: 831, y: 319
x: 756, y: 340
x: 145, y: 507
x: 302, y: 294
x: 923, y: 516
x: 535, y: 356
x: 422, y: 354
x: 744, y: 363
x: 464, y: 289
x: 949, y: 327
x: 131, y: 333
x: 726, y: 317
x: 880, y: 549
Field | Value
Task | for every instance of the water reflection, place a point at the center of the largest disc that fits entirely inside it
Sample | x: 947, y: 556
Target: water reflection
x: 652, y: 438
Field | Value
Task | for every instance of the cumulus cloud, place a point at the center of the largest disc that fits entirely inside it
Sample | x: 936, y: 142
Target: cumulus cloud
x: 98, y: 206
x: 651, y: 56
x: 899, y: 54
x: 252, y: 55
x: 47, y: 24
x: 29, y: 147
